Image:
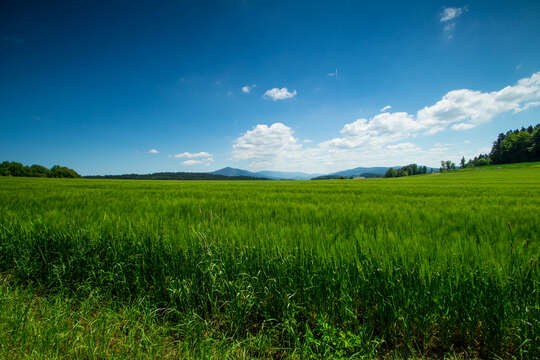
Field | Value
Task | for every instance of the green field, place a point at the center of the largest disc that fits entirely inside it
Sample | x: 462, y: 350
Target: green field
x: 432, y: 265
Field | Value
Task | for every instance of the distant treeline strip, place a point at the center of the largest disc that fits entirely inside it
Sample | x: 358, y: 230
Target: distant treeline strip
x: 14, y: 168
x: 175, y: 176
x: 341, y: 177
x: 408, y: 170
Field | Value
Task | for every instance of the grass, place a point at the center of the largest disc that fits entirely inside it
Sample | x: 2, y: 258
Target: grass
x: 424, y: 266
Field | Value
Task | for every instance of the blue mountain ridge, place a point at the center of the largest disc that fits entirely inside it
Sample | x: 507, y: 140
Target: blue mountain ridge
x: 296, y: 175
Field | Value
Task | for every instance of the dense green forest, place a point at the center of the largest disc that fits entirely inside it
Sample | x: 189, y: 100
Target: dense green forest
x: 14, y: 168
x: 175, y: 176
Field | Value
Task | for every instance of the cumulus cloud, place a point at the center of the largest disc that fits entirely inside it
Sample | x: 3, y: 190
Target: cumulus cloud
x: 385, y: 108
x: 266, y: 144
x: 279, y: 94
x: 475, y: 107
x: 189, y: 155
x: 382, y: 139
x: 202, y: 157
x: 263, y: 141
x: 153, y: 151
x: 381, y: 129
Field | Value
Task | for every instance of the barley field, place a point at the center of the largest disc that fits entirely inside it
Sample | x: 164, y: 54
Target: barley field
x: 433, y: 266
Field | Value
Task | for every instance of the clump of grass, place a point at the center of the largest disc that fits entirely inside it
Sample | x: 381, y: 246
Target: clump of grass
x: 420, y: 266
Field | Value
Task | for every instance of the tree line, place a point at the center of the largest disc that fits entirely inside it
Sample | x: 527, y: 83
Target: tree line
x: 14, y: 168
x: 174, y: 176
x: 519, y: 145
x: 408, y: 170
x: 342, y: 177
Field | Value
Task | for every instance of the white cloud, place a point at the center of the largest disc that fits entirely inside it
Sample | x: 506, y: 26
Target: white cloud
x: 404, y: 147
x: 452, y: 13
x: 528, y: 105
x: 279, y: 94
x: 462, y: 126
x: 202, y: 157
x: 384, y: 108
x: 475, y: 107
x: 449, y: 27
x: 275, y: 148
x: 382, y: 139
x: 192, y: 162
x: 189, y: 155
x: 266, y: 144
x: 308, y: 141
x: 448, y: 16
x: 247, y: 88
x: 153, y: 151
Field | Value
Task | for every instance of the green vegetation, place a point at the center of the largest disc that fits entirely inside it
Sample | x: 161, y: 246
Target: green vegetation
x: 413, y: 266
x: 342, y: 177
x: 517, y: 146
x: 175, y: 176
x: 513, y: 147
x: 520, y: 145
x: 17, y: 169
x: 407, y: 170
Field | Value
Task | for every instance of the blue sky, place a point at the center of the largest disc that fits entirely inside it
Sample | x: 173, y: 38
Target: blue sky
x: 253, y: 84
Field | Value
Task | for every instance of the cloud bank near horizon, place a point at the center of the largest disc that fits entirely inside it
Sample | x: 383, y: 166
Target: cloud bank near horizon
x: 385, y: 137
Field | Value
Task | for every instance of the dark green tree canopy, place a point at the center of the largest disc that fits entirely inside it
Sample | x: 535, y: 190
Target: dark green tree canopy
x: 408, y: 170
x: 14, y: 168
x: 517, y: 146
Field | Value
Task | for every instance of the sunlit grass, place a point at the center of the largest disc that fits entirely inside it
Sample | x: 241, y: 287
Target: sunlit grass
x: 424, y: 265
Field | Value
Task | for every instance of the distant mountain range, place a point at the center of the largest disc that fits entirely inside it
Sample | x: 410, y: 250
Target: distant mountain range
x: 368, y: 172
x: 275, y: 175
x: 362, y: 171
x: 229, y: 173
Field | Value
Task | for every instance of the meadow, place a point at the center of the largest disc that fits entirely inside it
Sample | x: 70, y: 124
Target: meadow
x: 440, y: 265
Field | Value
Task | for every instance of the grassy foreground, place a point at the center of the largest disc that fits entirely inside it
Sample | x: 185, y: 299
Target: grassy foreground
x: 434, y: 265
